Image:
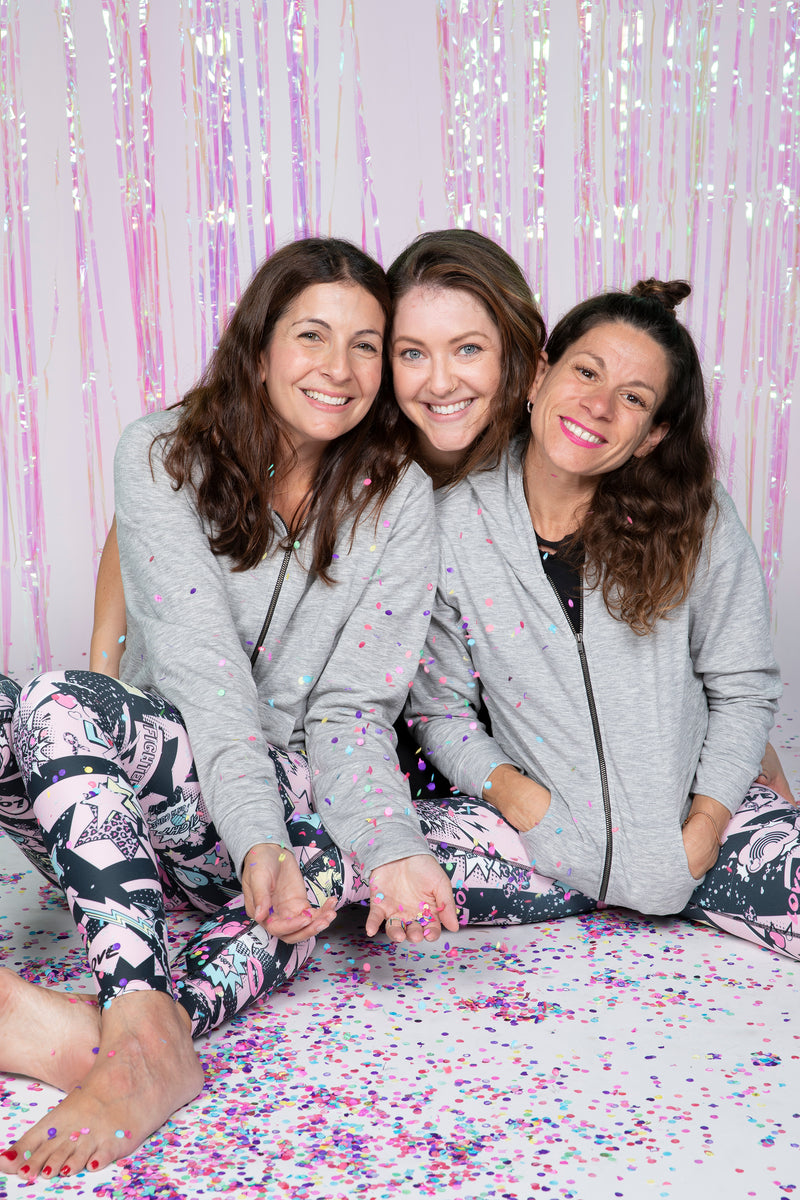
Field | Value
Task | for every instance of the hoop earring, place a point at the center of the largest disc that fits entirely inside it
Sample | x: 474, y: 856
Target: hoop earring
x: 529, y: 406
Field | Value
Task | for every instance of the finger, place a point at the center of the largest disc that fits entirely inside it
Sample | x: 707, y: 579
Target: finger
x: 298, y: 917
x: 375, y: 917
x: 414, y: 931
x: 395, y: 929
x: 308, y: 917
x: 447, y: 914
x: 257, y: 896
x: 313, y: 929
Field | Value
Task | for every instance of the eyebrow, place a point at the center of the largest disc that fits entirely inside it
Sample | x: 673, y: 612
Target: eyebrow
x: 461, y: 337
x: 639, y: 383
x: 325, y: 325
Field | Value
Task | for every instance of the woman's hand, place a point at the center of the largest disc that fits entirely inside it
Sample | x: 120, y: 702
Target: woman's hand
x: 521, y: 801
x: 275, y: 895
x: 414, y: 897
x: 702, y: 832
x: 772, y: 775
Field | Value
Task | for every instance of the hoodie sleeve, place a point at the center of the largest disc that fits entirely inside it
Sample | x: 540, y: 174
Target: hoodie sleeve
x: 360, y: 793
x: 179, y: 614
x: 445, y: 699
x: 731, y: 650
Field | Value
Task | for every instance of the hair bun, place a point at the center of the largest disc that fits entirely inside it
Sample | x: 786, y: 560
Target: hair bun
x: 670, y: 293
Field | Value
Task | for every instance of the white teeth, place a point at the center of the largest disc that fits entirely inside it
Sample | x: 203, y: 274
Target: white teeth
x: 446, y: 409
x: 334, y: 401
x: 583, y: 434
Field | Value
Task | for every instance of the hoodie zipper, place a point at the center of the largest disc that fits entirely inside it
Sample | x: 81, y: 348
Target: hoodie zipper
x: 287, y: 554
x: 598, y: 744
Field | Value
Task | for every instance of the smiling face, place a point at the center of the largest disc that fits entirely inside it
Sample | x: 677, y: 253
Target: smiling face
x: 446, y: 365
x: 597, y: 406
x: 322, y: 368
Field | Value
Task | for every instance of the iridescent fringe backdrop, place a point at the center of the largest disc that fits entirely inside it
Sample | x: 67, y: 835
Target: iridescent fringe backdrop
x: 153, y: 154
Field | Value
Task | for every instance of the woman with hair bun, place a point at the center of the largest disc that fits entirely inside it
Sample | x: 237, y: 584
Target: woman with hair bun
x: 599, y: 596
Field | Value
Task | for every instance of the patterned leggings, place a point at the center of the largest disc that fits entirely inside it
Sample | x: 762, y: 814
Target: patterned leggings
x: 100, y: 793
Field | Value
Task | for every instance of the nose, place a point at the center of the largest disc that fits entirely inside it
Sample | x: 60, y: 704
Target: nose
x: 337, y: 363
x: 441, y: 382
x: 600, y: 402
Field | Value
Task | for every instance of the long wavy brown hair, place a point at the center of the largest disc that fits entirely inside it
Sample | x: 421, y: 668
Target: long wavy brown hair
x: 464, y: 260
x: 643, y: 535
x: 230, y: 445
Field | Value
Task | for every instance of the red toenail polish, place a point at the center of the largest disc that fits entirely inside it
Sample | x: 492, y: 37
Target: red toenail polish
x: 47, y: 1170
x: 64, y: 1171
x: 24, y: 1170
x: 10, y: 1155
x: 94, y: 1164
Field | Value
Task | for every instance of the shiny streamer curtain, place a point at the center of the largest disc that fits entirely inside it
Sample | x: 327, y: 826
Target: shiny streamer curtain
x: 152, y: 154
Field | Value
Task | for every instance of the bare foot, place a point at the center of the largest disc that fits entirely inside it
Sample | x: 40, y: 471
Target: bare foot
x: 48, y: 1035
x: 146, y: 1068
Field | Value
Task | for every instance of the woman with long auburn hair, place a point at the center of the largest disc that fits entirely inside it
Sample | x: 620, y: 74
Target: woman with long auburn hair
x: 599, y: 596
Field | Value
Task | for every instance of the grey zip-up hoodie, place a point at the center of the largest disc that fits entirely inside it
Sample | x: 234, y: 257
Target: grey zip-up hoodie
x: 621, y: 742
x: 334, y: 672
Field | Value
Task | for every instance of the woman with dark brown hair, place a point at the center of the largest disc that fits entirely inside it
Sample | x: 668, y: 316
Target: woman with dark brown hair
x: 599, y: 595
x: 278, y: 556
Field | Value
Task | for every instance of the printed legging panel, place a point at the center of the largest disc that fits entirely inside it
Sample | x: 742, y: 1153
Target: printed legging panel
x: 111, y: 811
x: 114, y: 815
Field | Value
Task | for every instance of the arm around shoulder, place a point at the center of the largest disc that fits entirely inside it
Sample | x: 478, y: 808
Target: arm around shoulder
x: 110, y: 624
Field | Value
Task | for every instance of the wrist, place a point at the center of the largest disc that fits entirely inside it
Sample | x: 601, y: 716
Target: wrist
x: 708, y: 818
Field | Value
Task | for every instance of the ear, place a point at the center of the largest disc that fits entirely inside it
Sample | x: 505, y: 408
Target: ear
x: 651, y: 440
x: 541, y: 372
x: 262, y: 366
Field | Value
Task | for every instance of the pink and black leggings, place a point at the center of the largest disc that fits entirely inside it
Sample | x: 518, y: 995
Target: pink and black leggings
x: 99, y: 791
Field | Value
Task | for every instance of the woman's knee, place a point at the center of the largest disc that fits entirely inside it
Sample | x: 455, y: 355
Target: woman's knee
x: 39, y: 690
x: 9, y: 696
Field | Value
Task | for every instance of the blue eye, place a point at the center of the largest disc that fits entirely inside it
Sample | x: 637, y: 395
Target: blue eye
x: 410, y: 355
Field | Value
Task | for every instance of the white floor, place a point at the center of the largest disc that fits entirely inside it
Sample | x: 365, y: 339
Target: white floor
x: 593, y: 1058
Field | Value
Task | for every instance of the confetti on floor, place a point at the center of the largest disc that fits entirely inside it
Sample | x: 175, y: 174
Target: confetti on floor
x: 588, y: 1059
